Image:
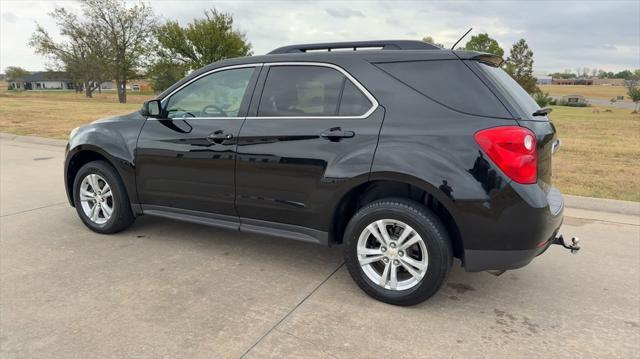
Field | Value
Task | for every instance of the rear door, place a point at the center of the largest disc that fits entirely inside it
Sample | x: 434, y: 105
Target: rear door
x: 186, y: 160
x: 312, y: 129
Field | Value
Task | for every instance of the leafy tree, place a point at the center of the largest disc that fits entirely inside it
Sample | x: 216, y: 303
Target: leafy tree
x: 14, y: 72
x: 483, y: 43
x: 200, y: 42
x: 128, y: 35
x: 429, y: 39
x: 626, y: 74
x: 519, y: 65
x: 634, y: 94
x: 81, y: 54
x: 605, y: 75
x: 163, y: 74
x: 562, y: 75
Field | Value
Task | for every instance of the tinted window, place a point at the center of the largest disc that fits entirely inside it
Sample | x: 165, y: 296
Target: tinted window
x: 216, y: 95
x: 511, y: 89
x: 449, y: 82
x: 298, y: 91
x: 354, y: 102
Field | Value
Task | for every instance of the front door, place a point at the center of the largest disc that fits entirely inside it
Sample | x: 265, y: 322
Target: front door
x: 186, y: 160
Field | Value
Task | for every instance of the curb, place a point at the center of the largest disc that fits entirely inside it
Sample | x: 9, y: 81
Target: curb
x: 602, y: 205
x: 32, y: 139
x: 570, y: 201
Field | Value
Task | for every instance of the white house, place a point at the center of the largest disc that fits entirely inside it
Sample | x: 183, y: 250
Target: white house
x: 43, y: 80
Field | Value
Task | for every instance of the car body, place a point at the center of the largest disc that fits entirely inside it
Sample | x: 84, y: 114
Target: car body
x: 398, y: 122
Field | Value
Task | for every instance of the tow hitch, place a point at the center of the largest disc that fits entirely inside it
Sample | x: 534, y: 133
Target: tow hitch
x: 573, y: 247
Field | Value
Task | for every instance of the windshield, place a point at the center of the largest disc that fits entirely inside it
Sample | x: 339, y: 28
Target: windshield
x: 510, y: 88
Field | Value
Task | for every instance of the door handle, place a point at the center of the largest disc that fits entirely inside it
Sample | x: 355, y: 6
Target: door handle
x: 219, y: 136
x: 335, y: 134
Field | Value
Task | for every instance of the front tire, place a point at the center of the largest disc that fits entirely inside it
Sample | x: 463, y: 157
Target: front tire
x: 101, y: 199
x: 397, y: 251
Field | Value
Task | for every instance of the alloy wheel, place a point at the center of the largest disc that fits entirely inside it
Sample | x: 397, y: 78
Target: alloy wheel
x: 96, y: 198
x: 392, y: 254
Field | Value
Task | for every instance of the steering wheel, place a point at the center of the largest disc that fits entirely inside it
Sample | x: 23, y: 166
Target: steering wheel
x: 217, y: 111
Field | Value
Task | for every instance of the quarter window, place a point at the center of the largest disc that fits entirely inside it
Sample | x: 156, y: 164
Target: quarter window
x: 219, y: 94
x: 354, y: 102
x: 304, y: 91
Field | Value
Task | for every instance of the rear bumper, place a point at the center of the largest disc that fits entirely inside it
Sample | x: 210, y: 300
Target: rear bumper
x: 524, y: 232
x: 480, y: 260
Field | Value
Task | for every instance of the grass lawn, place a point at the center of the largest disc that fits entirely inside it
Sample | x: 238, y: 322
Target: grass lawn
x: 598, y: 92
x: 54, y: 114
x: 600, y: 155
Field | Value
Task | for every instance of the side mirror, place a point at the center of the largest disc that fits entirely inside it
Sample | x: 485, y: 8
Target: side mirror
x: 152, y: 108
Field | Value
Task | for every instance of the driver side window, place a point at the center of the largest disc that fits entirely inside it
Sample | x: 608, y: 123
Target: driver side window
x: 219, y: 94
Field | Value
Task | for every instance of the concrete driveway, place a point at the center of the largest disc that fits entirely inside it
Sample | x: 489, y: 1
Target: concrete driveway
x: 176, y: 290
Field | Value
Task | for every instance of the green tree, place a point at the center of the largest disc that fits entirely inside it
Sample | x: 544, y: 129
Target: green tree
x: 81, y: 53
x: 605, y: 75
x: 563, y: 75
x: 483, y: 43
x: 14, y: 72
x: 519, y: 65
x: 128, y: 34
x: 634, y: 94
x: 429, y: 39
x: 199, y: 43
x: 626, y: 74
x: 163, y: 74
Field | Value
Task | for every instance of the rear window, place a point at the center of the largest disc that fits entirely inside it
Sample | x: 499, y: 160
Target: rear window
x: 310, y: 91
x: 299, y: 91
x: 510, y: 89
x: 449, y: 82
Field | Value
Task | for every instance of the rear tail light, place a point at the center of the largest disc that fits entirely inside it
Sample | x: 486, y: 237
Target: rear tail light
x: 513, y: 149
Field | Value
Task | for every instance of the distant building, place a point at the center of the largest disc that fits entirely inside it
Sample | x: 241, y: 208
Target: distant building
x: 135, y: 85
x: 573, y: 99
x: 544, y: 80
x: 43, y: 80
x: 580, y: 81
x: 608, y: 82
x: 51, y: 80
x: 589, y: 81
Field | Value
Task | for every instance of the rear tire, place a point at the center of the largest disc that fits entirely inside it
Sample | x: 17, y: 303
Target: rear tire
x: 400, y: 270
x: 100, y: 198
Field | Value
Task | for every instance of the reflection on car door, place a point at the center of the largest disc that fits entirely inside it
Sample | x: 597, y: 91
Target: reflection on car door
x: 313, y: 128
x: 186, y: 161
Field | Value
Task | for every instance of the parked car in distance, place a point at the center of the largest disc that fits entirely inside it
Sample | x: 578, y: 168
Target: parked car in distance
x: 405, y: 154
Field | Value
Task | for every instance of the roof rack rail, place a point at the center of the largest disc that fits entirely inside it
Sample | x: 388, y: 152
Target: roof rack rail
x: 381, y: 44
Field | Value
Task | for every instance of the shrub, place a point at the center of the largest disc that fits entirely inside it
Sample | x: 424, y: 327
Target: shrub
x: 543, y: 99
x: 572, y: 104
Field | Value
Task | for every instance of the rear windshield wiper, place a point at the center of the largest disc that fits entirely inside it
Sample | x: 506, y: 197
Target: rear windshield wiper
x: 543, y: 111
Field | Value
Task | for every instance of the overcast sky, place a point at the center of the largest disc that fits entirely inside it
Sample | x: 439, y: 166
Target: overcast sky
x: 562, y: 34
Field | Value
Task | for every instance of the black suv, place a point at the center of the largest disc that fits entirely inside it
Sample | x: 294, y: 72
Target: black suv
x: 404, y: 153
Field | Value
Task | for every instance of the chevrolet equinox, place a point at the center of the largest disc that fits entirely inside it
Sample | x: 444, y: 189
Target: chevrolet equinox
x: 405, y: 154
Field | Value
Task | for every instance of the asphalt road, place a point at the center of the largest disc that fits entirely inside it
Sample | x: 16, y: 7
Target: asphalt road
x: 601, y: 102
x: 166, y: 289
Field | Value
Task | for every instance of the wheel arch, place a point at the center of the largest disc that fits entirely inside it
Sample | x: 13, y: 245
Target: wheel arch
x: 393, y: 185
x: 84, y: 154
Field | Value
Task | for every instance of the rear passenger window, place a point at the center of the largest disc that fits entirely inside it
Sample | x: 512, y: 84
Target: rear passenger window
x: 354, y: 102
x: 449, y: 82
x: 304, y: 91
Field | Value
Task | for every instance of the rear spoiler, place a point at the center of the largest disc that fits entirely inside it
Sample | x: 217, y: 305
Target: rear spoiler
x: 485, y: 58
x: 489, y: 59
